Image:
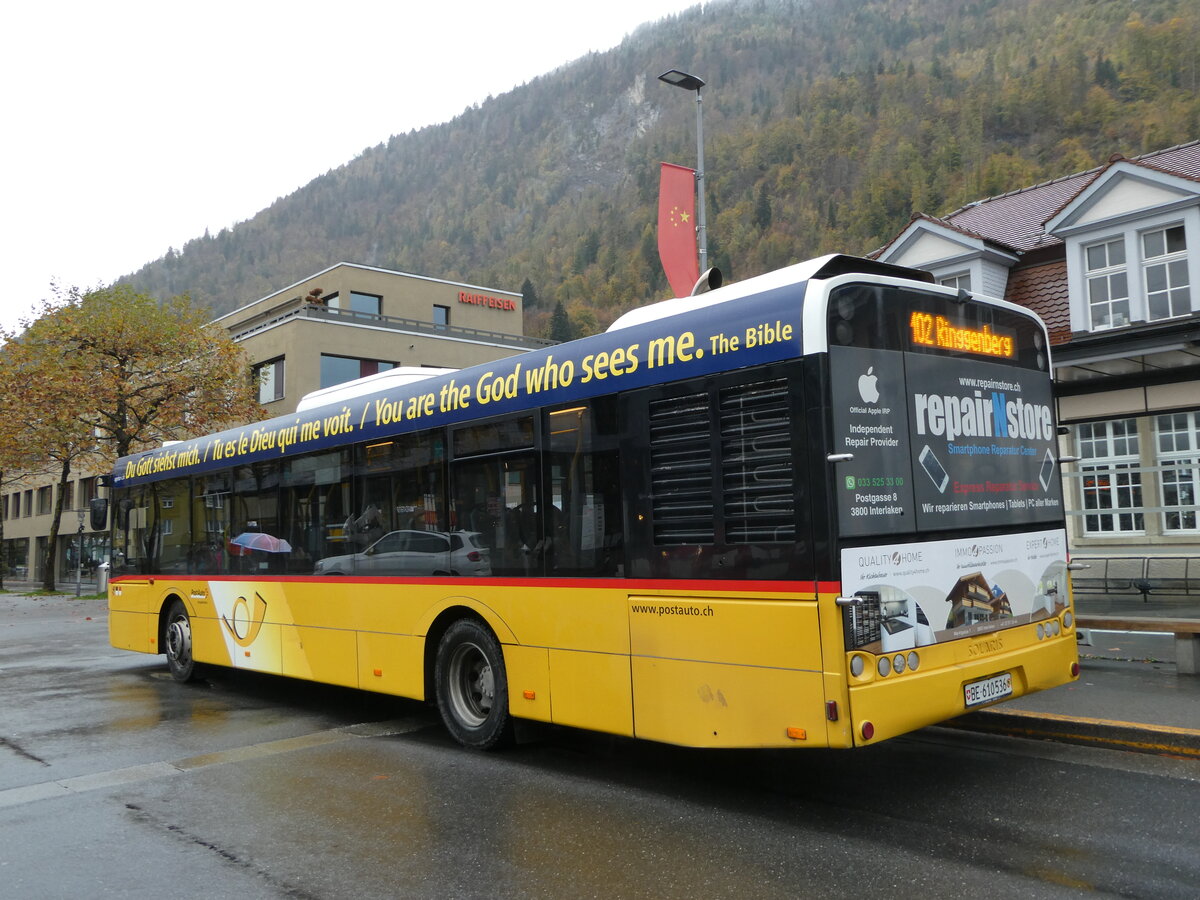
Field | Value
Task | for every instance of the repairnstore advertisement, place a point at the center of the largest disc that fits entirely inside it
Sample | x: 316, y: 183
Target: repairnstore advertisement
x: 936, y: 591
x: 983, y: 444
x: 941, y: 443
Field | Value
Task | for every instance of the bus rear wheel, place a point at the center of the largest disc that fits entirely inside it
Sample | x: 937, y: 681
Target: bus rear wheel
x: 472, y: 686
x: 177, y: 642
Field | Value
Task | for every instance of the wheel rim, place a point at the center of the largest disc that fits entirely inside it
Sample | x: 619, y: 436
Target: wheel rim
x: 472, y: 685
x: 179, y: 642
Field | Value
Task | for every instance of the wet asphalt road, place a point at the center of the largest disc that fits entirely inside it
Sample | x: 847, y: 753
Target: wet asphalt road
x: 117, y: 782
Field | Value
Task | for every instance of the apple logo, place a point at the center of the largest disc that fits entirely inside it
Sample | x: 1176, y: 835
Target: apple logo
x: 868, y: 388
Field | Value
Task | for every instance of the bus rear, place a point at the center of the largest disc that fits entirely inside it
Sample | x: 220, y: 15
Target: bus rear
x: 950, y: 559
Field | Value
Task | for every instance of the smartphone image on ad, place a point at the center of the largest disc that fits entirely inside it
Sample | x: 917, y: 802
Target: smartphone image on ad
x: 1047, y: 471
x: 933, y: 468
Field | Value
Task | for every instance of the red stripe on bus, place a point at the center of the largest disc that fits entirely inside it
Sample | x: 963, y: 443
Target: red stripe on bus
x: 807, y: 588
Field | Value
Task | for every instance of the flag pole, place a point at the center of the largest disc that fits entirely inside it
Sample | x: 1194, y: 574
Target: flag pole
x: 701, y: 223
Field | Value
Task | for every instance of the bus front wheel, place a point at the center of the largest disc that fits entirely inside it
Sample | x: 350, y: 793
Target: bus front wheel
x: 177, y: 642
x: 472, y: 686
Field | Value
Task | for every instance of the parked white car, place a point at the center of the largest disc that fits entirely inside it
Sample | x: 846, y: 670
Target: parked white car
x: 412, y: 552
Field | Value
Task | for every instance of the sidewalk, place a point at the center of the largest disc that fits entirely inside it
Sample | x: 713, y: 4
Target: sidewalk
x: 63, y: 586
x: 1128, y: 695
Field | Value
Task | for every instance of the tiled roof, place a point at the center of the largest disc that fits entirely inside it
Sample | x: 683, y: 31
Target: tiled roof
x: 1043, y: 289
x: 1016, y: 220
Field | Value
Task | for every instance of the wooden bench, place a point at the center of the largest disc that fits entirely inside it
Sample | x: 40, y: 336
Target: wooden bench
x: 1187, y: 645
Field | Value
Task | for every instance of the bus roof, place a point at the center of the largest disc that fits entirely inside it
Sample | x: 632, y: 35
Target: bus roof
x: 822, y: 267
x: 388, y: 379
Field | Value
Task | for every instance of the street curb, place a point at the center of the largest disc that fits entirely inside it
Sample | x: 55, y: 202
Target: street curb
x: 1130, y: 736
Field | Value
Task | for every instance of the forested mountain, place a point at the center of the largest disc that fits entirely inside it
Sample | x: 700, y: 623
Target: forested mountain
x: 827, y: 124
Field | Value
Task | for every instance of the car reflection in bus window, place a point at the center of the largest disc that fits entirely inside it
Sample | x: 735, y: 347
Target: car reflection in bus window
x: 412, y: 552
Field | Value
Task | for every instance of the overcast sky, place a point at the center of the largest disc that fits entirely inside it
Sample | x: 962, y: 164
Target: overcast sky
x: 131, y: 127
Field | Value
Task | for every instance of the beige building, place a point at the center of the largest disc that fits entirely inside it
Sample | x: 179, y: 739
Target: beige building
x: 343, y: 323
x: 350, y: 321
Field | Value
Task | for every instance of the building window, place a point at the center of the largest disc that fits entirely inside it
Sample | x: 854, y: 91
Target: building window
x: 68, y: 496
x: 1107, y: 284
x: 29, y: 502
x: 1165, y: 268
x: 1179, y: 473
x: 366, y: 304
x: 1111, y: 482
x: 340, y: 369
x: 44, y: 500
x: 269, y: 377
x: 87, y: 490
x: 960, y: 281
x: 441, y: 316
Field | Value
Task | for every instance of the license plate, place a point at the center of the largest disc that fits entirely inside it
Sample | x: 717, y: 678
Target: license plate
x: 989, y: 689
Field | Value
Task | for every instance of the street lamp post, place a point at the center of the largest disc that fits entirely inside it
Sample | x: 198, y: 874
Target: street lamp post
x: 692, y: 83
x: 79, y: 559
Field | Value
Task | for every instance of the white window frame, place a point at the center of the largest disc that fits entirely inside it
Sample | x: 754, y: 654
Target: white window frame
x: 1168, y: 262
x: 1111, y: 496
x: 1107, y: 275
x: 957, y: 280
x: 1177, y: 439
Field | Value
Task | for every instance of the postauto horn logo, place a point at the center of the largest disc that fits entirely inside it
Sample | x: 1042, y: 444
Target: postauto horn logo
x: 244, y: 623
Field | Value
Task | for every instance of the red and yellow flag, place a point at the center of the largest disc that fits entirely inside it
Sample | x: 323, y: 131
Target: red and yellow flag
x: 677, y: 227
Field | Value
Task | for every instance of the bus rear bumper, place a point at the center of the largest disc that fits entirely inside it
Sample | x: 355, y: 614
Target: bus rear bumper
x: 894, y: 705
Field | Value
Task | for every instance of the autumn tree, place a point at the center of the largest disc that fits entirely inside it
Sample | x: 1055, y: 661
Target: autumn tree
x: 17, y: 463
x: 111, y: 371
x: 41, y: 397
x: 154, y: 372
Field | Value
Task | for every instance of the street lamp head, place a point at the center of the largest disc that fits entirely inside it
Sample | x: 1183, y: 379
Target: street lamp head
x: 682, y: 80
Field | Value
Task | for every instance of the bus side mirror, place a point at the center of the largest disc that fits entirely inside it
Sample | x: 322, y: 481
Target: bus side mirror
x: 99, y: 511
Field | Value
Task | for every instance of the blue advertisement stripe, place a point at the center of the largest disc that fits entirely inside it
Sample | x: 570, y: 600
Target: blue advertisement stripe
x: 744, y: 332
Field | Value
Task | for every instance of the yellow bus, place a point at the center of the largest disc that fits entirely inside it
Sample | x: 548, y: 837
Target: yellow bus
x: 818, y: 508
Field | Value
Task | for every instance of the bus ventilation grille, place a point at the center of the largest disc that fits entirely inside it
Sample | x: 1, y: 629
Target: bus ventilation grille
x: 681, y: 471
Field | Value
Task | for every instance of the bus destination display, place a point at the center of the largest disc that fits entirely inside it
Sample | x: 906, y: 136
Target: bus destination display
x: 930, y: 330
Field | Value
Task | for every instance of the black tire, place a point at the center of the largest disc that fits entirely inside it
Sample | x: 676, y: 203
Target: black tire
x: 472, y: 686
x: 177, y: 642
